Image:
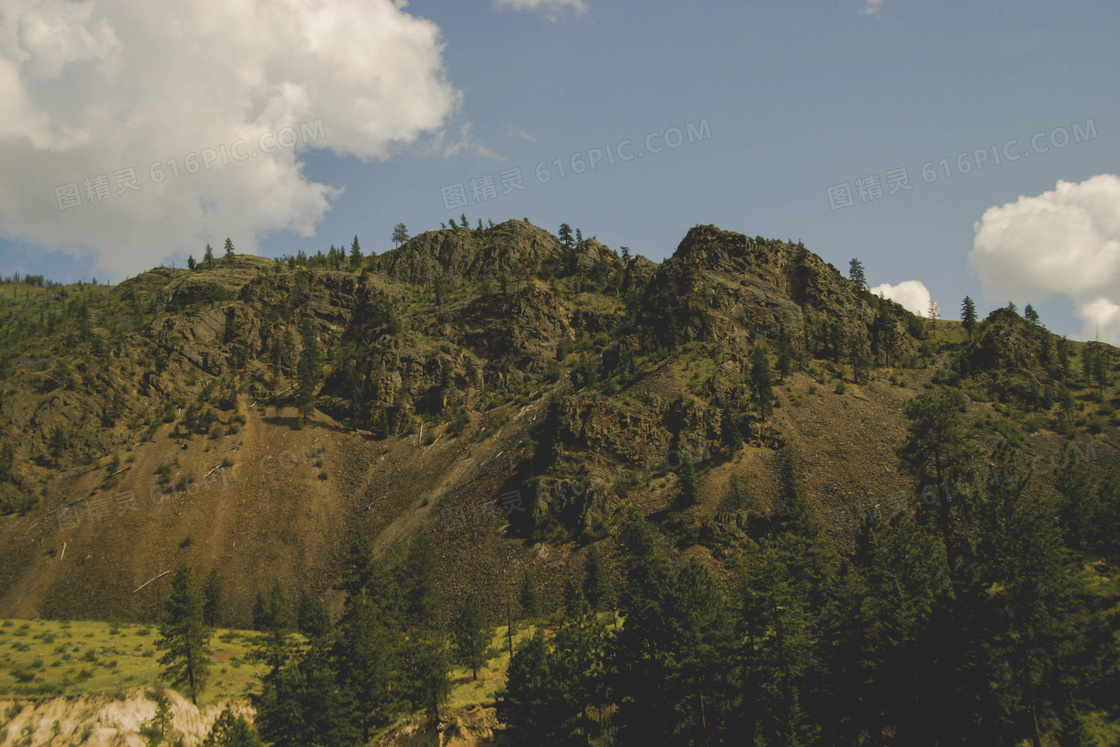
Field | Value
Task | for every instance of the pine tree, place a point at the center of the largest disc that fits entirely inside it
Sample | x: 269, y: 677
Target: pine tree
x: 968, y: 315
x: 689, y: 489
x: 229, y: 251
x: 231, y: 731
x: 400, y: 232
x: 594, y: 577
x: 524, y: 704
x: 184, y: 637
x: 355, y: 255
x: 856, y: 275
x: 761, y: 388
x: 936, y: 448
x: 426, y: 671
x: 208, y: 255
x: 529, y: 597
x: 312, y: 617
x: 471, y: 635
x: 732, y: 435
x: 1030, y: 314
x: 308, y: 371
x: 366, y: 653
x: 418, y: 579
x: 565, y: 236
x: 191, y: 263
x: 57, y: 444
x: 213, y: 603
x: 158, y: 729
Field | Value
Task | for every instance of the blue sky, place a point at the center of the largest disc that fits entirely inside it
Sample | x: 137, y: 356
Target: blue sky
x: 798, y: 97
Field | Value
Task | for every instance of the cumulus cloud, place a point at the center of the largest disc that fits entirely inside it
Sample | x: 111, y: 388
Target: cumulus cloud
x: 551, y: 7
x: 1063, y: 242
x: 912, y: 295
x: 92, y: 88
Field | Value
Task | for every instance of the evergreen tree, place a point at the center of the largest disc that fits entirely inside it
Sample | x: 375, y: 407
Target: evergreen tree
x: 57, y: 444
x: 355, y: 255
x: 191, y: 263
x: 968, y: 315
x: 594, y: 577
x: 936, y: 448
x: 231, y: 731
x: 312, y: 617
x: 213, y: 603
x: 524, y: 704
x: 366, y: 654
x: 158, y: 729
x: 184, y: 637
x: 229, y: 250
x: 761, y: 388
x: 565, y: 236
x: 418, y: 578
x: 471, y: 635
x: 856, y: 275
x: 308, y: 372
x: 208, y: 255
x: 690, y: 490
x: 732, y: 436
x: 400, y: 232
x: 426, y: 671
x: 1030, y: 314
x: 529, y: 596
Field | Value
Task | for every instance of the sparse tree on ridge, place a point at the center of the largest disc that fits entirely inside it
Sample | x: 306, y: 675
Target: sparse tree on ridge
x: 968, y: 315
x: 856, y: 275
x: 356, y: 254
x: 400, y: 233
x: 229, y: 250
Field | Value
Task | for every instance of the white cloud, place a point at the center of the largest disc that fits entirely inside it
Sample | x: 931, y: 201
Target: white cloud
x: 911, y: 294
x: 91, y: 87
x: 871, y: 8
x: 1063, y: 242
x: 550, y: 7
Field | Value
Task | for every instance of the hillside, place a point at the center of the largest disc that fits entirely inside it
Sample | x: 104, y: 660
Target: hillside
x: 159, y: 419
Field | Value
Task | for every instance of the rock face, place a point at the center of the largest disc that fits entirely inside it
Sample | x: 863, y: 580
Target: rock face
x: 108, y: 719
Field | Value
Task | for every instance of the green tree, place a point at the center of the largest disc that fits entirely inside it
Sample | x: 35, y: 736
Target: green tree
x: 57, y: 444
x: 594, y: 577
x: 308, y: 371
x: 689, y: 488
x: 732, y: 435
x: 937, y: 448
x: 366, y: 652
x: 524, y: 704
x: 761, y: 388
x: 1030, y: 314
x: 191, y: 264
x: 471, y: 637
x: 208, y: 255
x: 418, y: 579
x: 968, y: 315
x: 355, y: 255
x: 158, y: 729
x: 231, y: 731
x: 229, y: 250
x: 529, y: 596
x: 565, y: 236
x: 400, y: 232
x: 427, y: 670
x: 312, y: 617
x: 856, y: 275
x: 184, y: 637
x: 213, y: 603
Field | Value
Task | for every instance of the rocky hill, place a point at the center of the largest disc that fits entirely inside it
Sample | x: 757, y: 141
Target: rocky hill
x: 502, y: 391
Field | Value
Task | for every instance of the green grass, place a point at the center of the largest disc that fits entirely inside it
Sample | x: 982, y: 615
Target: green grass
x: 49, y: 658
